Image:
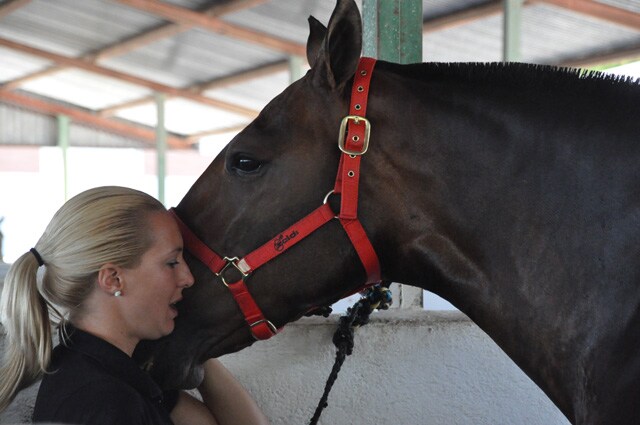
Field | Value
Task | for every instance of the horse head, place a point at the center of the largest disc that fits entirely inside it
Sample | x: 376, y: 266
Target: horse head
x: 274, y: 172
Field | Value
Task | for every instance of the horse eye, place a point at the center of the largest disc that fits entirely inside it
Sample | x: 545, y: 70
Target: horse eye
x: 243, y: 164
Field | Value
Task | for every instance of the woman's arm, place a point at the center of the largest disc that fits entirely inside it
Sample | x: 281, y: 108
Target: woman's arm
x: 226, y: 402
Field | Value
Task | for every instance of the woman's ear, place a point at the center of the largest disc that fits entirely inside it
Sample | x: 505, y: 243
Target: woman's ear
x: 109, y: 279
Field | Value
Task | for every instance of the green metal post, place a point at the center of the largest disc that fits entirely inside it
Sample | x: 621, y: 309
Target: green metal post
x: 512, y: 29
x: 393, y: 30
x: 63, y: 143
x: 296, y: 68
x: 161, y: 145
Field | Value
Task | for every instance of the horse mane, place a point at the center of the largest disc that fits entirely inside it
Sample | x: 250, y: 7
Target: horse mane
x: 517, y: 74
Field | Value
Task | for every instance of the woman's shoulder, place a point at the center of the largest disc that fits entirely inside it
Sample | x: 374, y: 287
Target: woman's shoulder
x: 71, y: 372
x: 76, y: 390
x: 96, y: 401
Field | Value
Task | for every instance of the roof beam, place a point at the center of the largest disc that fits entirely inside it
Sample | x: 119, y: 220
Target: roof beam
x: 11, y: 6
x: 237, y: 78
x: 87, y: 66
x: 171, y: 29
x: 136, y: 41
x: 432, y: 25
x: 598, y: 10
x: 463, y: 17
x: 242, y: 76
x: 121, y: 48
x: 83, y: 117
x: 195, y: 138
x: 609, y: 57
x: 216, y: 25
x: 20, y: 81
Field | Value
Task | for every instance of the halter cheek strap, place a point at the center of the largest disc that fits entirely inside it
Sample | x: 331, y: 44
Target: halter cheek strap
x: 354, y: 145
x: 353, y: 141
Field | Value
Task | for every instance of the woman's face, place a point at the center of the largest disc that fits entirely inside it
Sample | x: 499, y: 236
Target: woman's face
x: 151, y: 289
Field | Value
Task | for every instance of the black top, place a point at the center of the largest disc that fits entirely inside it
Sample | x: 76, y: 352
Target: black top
x: 94, y: 382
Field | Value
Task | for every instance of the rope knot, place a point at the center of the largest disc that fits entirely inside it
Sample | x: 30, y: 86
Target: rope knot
x: 377, y: 297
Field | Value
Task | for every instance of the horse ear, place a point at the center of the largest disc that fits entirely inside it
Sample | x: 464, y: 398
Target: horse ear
x: 336, y: 59
x: 317, y: 33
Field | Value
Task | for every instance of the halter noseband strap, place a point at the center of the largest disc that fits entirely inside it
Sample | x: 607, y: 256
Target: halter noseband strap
x: 353, y: 142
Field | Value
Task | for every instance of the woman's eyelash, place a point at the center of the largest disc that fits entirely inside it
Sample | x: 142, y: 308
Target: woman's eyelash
x: 172, y: 264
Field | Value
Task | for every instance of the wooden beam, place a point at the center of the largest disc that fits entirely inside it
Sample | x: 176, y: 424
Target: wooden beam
x: 463, y: 17
x: 171, y: 29
x: 193, y: 138
x: 120, y: 48
x: 604, y: 58
x: 83, y: 117
x: 432, y: 25
x: 242, y: 76
x: 11, y: 6
x: 216, y: 25
x: 136, y: 41
x: 233, y: 6
x: 112, y: 110
x: 238, y: 78
x: 17, y: 82
x: 582, y: 62
x: 107, y: 72
x: 598, y: 10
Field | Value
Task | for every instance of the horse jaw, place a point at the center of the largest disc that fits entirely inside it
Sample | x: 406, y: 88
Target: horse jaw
x: 176, y: 361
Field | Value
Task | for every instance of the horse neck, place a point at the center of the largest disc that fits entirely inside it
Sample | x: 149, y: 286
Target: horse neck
x: 499, y: 218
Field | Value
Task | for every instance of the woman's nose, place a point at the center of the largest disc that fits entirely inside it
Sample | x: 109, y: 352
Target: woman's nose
x: 186, y: 278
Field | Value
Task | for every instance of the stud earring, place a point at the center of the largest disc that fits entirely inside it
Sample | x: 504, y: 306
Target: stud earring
x: 118, y: 293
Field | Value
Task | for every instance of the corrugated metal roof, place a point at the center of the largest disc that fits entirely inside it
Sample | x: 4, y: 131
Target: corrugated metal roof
x: 22, y: 127
x: 192, y: 57
x: 194, y: 54
x: 630, y: 5
x: 550, y: 35
x: 72, y: 27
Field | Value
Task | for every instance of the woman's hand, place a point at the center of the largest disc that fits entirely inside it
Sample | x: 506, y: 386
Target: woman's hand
x: 226, y: 402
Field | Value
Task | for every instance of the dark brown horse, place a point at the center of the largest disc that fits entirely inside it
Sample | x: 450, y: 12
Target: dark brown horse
x: 513, y: 191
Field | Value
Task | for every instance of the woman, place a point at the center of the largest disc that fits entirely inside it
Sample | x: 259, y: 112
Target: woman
x: 113, y: 272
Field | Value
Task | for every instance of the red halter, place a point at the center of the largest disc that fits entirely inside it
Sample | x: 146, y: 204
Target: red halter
x: 353, y: 145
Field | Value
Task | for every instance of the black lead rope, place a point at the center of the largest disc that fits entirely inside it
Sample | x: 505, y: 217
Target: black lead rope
x: 376, y: 297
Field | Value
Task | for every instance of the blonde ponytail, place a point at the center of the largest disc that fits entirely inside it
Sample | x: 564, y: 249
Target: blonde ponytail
x: 28, y: 330
x: 99, y: 226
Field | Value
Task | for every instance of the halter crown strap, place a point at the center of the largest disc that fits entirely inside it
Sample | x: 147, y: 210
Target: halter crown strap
x: 353, y: 147
x: 356, y: 141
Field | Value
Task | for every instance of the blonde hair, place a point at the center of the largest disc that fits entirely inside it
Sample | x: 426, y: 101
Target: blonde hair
x: 98, y: 226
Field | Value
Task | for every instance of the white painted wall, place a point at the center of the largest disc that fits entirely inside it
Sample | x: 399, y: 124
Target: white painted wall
x: 408, y: 367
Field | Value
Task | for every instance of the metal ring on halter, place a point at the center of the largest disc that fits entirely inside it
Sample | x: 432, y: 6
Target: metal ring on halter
x: 271, y: 326
x: 232, y: 262
x: 326, y: 199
